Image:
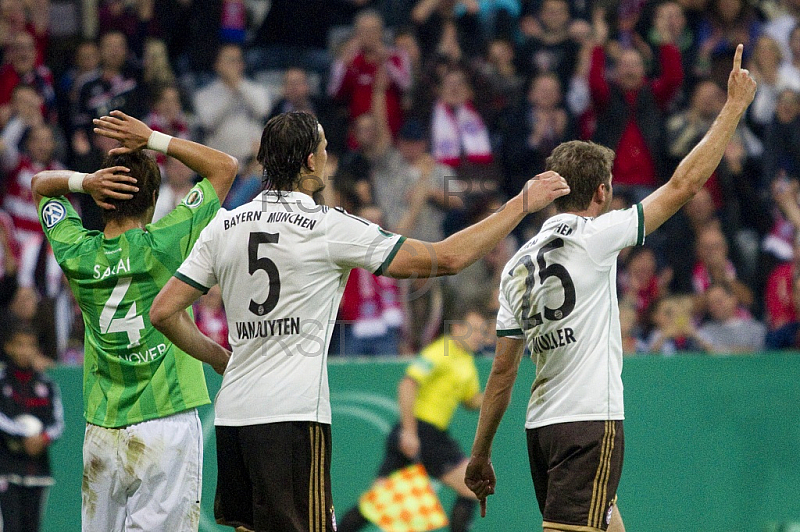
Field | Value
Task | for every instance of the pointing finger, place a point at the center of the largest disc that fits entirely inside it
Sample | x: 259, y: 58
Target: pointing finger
x: 737, y: 58
x: 483, y: 507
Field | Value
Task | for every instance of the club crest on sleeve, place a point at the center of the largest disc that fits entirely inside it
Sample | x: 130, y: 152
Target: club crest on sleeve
x: 52, y: 213
x: 194, y: 198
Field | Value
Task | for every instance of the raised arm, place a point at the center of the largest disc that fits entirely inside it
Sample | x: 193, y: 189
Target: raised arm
x: 695, y: 169
x: 480, y: 473
x: 456, y: 252
x: 216, y: 166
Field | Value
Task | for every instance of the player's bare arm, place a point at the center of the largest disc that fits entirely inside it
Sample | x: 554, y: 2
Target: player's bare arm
x: 409, y: 437
x: 695, y: 169
x: 480, y: 476
x: 168, y: 315
x: 216, y: 166
x: 106, y: 183
x: 456, y: 252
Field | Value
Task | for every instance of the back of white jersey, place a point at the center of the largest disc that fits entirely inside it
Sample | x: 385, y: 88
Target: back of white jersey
x: 559, y: 293
x: 282, y: 263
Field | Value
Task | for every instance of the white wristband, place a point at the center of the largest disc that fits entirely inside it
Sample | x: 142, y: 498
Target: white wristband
x: 75, y: 182
x: 158, y: 142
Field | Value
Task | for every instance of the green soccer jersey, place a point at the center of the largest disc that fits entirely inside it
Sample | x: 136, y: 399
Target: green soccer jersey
x: 131, y: 372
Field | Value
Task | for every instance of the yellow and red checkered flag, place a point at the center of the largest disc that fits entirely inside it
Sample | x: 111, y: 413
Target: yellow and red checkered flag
x: 404, y: 502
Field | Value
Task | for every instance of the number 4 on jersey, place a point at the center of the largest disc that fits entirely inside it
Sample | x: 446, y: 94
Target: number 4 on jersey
x: 132, y: 324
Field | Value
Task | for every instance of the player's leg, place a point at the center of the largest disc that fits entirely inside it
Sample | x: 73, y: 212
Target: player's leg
x: 233, y: 502
x: 166, y: 457
x: 581, y: 470
x: 616, y: 524
x: 104, y: 486
x: 289, y: 465
x: 352, y: 521
x: 463, y: 511
x: 11, y: 506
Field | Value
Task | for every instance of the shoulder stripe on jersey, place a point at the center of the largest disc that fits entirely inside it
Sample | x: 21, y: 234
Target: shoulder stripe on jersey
x: 191, y: 282
x: 383, y: 267
x: 509, y: 332
x: 353, y: 216
x: 640, y: 233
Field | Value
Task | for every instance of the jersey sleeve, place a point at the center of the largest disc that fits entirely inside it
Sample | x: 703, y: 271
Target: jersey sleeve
x: 472, y: 386
x: 356, y: 243
x: 198, y: 268
x: 613, y: 231
x: 179, y: 230
x: 507, y: 324
x: 61, y: 224
x: 421, y: 369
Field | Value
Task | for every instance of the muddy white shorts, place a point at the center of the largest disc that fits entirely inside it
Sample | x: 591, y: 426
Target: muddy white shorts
x: 146, y: 476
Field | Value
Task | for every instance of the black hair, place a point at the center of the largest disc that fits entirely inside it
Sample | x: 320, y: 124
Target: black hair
x: 286, y: 142
x: 148, y: 179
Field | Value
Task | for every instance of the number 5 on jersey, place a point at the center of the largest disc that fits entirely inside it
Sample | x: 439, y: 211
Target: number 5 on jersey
x: 266, y: 264
x: 132, y: 324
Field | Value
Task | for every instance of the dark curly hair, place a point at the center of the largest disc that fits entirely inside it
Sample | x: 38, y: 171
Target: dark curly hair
x: 148, y: 179
x: 286, y: 142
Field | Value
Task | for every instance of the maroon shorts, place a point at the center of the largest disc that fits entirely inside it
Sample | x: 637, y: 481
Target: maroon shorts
x: 576, y: 469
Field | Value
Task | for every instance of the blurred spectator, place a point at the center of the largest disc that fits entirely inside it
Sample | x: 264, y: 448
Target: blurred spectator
x: 505, y: 86
x: 25, y: 307
x: 499, y: 18
x: 209, y: 314
x: 458, y: 133
x: 531, y: 131
x: 779, y: 300
x: 433, y: 18
x: 22, y: 68
x: 780, y: 27
x: 789, y: 74
x: 673, y: 328
x: 729, y: 330
x: 630, y: 327
x: 116, y: 86
x: 167, y: 116
x: 156, y: 69
x: 765, y: 69
x: 782, y: 139
x: 29, y: 16
x: 31, y: 418
x: 787, y: 335
x: 370, y: 314
x: 714, y: 266
x: 134, y: 19
x: 405, y: 41
x: 629, y: 108
x: 353, y: 73
x: 727, y: 23
x: 550, y: 48
x: 26, y: 113
x: 640, y: 283
x: 85, y: 66
x: 18, y: 199
x: 178, y: 181
x: 9, y: 261
x: 686, y: 128
x: 232, y: 108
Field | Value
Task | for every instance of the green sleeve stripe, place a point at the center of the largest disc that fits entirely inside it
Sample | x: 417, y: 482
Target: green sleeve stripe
x: 191, y: 282
x: 383, y: 267
x: 509, y: 332
x: 640, y: 234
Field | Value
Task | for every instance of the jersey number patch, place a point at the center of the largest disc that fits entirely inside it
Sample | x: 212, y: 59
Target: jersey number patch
x: 267, y: 265
x: 530, y: 318
x: 130, y: 324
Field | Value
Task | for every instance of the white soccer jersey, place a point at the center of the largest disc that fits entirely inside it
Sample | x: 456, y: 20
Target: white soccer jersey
x: 282, y: 262
x: 559, y: 293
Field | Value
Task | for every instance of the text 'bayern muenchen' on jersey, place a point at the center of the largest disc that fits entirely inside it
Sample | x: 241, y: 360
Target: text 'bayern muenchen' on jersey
x: 282, y: 262
x: 559, y: 293
x: 132, y: 373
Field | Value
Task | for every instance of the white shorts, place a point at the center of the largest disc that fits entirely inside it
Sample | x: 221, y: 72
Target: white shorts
x: 145, y: 477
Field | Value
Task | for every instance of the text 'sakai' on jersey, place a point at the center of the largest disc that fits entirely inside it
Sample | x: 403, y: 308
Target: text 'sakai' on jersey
x: 132, y: 373
x: 559, y: 293
x: 282, y: 262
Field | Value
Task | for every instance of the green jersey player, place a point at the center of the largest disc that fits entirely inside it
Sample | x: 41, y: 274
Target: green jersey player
x: 143, y: 443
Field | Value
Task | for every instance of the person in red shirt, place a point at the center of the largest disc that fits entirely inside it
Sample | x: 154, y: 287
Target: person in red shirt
x: 23, y: 68
x: 353, y: 73
x: 629, y: 108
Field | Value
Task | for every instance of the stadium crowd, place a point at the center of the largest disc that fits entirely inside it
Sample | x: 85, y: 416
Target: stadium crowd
x: 435, y: 111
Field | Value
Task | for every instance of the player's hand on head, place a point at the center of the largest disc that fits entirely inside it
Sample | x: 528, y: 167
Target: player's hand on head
x: 110, y: 183
x: 130, y: 132
x: 540, y: 191
x: 741, y: 85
